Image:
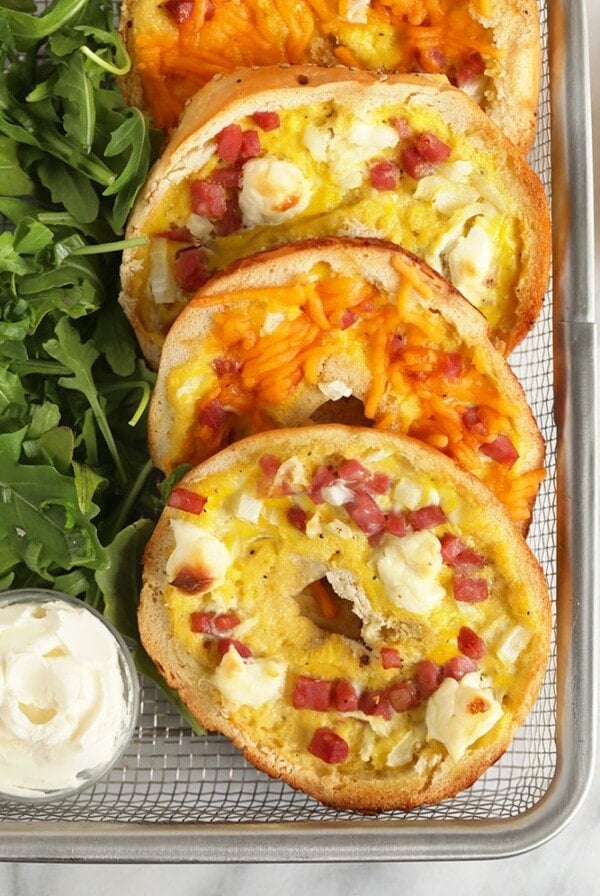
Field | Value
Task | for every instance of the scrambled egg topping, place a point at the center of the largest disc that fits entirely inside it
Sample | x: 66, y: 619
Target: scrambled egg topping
x: 394, y: 595
x: 312, y: 179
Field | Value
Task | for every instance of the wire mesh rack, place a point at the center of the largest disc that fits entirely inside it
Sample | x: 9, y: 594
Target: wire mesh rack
x: 179, y: 796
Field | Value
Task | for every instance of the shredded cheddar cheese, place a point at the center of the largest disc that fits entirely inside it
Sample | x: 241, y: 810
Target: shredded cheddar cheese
x: 422, y: 376
x: 175, y: 60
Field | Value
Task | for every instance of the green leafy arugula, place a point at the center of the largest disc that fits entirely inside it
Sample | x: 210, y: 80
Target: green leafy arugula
x: 78, y: 494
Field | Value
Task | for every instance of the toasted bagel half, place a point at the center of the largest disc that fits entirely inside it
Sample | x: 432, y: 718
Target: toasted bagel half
x: 490, y: 50
x: 355, y: 612
x: 344, y: 331
x: 403, y: 158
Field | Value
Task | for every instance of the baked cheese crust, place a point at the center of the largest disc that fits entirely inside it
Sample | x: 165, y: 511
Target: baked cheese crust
x: 346, y: 331
x: 356, y: 613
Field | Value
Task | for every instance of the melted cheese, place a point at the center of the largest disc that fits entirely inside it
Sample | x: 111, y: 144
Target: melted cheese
x: 273, y: 190
x: 279, y: 338
x: 271, y: 568
x: 249, y: 682
x: 410, y: 568
x: 196, y: 548
x: 459, y: 713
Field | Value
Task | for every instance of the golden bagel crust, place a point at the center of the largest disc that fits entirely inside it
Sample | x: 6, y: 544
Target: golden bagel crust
x: 258, y: 597
x: 433, y: 321
x: 168, y: 66
x: 481, y: 218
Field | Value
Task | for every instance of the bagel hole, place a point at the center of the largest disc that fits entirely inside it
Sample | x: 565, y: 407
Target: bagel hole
x: 350, y: 411
x: 328, y: 610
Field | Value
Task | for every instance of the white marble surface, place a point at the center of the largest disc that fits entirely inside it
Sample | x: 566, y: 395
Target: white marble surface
x: 567, y: 864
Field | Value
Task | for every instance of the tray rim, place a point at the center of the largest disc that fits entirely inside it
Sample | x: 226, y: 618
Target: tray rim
x: 578, y: 530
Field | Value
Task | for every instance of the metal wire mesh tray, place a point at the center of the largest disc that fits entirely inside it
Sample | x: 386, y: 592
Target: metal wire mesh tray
x: 179, y: 797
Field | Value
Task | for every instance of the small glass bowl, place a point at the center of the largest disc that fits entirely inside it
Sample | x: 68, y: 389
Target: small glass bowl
x: 87, y: 776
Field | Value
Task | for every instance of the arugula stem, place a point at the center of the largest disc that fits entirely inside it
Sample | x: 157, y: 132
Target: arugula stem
x: 130, y: 499
x: 116, y: 246
x: 127, y: 387
x: 112, y: 69
x: 31, y: 28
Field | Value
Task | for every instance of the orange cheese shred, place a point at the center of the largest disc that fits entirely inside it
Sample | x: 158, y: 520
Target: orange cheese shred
x: 408, y: 389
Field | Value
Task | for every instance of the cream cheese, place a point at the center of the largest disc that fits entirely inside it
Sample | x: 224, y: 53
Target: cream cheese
x: 64, y: 709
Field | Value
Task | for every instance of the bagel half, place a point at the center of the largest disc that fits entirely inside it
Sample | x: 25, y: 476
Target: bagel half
x: 344, y: 331
x: 491, y: 50
x: 349, y: 607
x: 404, y: 158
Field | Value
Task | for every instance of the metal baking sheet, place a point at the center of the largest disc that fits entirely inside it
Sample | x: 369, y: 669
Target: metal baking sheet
x: 178, y: 797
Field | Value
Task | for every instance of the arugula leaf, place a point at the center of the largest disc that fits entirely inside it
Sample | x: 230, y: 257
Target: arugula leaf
x: 18, y: 183
x: 44, y: 524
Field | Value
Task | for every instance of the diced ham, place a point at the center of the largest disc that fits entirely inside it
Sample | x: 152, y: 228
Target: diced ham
x: 470, y: 643
x: 414, y: 164
x: 403, y: 695
x: 427, y: 678
x: 473, y: 422
x: 366, y: 513
x: 426, y: 517
x: 267, y: 121
x: 450, y: 365
x: 375, y: 703
x: 353, y: 472
x: 432, y: 60
x: 201, y: 622
x: 269, y: 464
x: 250, y: 147
x: 421, y: 157
x: 230, y: 178
x: 213, y: 415
x: 298, y: 517
x: 431, y: 147
x: 390, y: 658
x: 470, y: 590
x: 343, y: 696
x: 458, y: 666
x: 193, y: 580
x: 403, y: 127
x: 231, y: 220
x: 501, y: 449
x: 184, y: 499
x: 208, y: 199
x: 229, y: 143
x: 312, y: 693
x: 322, y: 477
x: 456, y: 554
x: 395, y: 347
x: 213, y: 623
x: 190, y: 269
x: 472, y: 67
x: 225, y: 366
x: 224, y: 622
x: 179, y: 10
x: 347, y: 319
x: 224, y: 644
x: 395, y: 524
x: 176, y: 234
x: 325, y: 744
x: 384, y: 175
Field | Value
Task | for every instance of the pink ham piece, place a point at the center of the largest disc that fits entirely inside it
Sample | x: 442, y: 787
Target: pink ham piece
x: 325, y: 744
x: 184, y: 499
x: 312, y: 693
